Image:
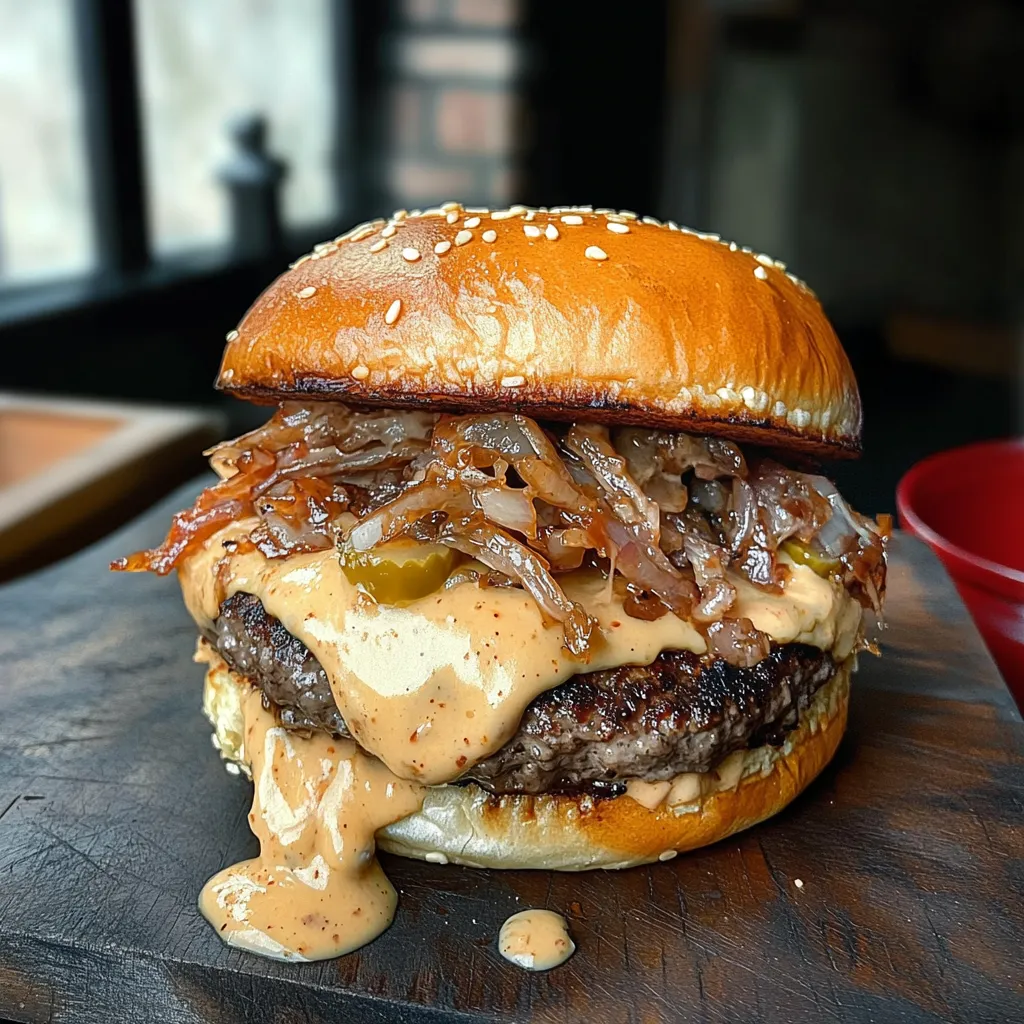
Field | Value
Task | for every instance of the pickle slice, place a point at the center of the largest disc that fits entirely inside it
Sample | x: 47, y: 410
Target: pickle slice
x: 400, y: 571
x: 803, y: 555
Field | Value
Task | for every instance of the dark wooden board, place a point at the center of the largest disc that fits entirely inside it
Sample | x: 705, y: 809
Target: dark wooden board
x: 114, y: 809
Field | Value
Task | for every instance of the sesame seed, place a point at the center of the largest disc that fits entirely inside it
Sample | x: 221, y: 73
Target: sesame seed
x: 530, y: 214
x: 399, y: 215
x: 416, y: 213
x: 551, y: 232
x: 476, y: 209
x: 451, y: 205
x: 516, y: 210
x: 513, y: 382
x: 765, y: 260
x: 733, y: 247
x: 393, y: 310
x: 619, y: 229
x: 531, y: 231
x: 362, y: 233
x: 442, y: 247
x: 651, y: 220
x: 628, y: 214
x: 306, y: 293
x: 595, y: 252
x: 463, y: 237
x: 231, y: 336
x: 572, y: 218
x: 760, y: 273
x: 667, y: 855
x: 381, y: 243
x: 320, y: 246
x: 411, y: 254
x: 501, y: 214
x: 798, y: 882
x: 452, y: 217
x: 227, y: 374
x: 388, y: 231
x: 490, y: 235
x: 360, y: 372
x: 472, y: 222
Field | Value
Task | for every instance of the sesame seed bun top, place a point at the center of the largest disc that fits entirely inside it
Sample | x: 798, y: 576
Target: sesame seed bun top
x: 562, y: 314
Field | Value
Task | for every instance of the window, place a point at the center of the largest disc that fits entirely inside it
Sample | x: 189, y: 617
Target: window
x: 45, y: 228
x: 202, y: 64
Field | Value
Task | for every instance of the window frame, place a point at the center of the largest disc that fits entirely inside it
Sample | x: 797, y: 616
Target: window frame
x: 125, y: 264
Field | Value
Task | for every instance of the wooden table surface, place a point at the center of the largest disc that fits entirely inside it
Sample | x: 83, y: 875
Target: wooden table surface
x: 114, y: 809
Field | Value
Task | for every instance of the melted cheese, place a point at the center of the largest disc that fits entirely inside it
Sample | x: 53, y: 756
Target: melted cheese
x: 438, y: 684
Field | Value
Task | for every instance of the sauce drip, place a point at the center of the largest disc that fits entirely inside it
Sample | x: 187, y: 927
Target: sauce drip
x: 316, y: 890
x: 536, y: 940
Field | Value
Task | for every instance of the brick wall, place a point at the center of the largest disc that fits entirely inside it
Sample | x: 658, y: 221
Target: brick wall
x: 452, y: 113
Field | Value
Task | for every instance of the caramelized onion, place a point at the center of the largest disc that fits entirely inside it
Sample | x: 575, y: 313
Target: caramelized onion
x: 501, y: 552
x: 675, y: 518
x: 508, y: 508
x: 627, y: 500
x: 737, y: 642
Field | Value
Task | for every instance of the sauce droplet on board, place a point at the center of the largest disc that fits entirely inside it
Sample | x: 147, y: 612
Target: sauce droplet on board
x: 316, y: 890
x: 536, y: 940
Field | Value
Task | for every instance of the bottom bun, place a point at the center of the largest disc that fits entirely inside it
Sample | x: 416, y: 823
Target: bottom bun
x: 466, y: 825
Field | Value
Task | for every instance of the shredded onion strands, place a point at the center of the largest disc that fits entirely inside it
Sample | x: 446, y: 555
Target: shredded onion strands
x: 674, y: 518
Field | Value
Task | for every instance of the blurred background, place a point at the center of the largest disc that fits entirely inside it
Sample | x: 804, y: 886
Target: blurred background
x: 161, y: 162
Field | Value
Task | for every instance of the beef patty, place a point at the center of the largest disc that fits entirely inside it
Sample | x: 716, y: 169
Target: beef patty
x: 681, y: 713
x: 258, y: 647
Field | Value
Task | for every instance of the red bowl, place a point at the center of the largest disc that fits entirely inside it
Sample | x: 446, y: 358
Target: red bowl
x: 967, y: 504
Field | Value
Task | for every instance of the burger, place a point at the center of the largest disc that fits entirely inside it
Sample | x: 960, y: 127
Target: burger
x: 533, y: 564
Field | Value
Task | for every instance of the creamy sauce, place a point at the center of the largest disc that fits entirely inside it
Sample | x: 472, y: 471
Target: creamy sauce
x: 429, y: 688
x: 536, y: 940
x: 316, y: 890
x: 438, y: 684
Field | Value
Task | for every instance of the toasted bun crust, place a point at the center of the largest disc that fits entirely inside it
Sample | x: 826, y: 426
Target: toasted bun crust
x: 560, y: 315
x: 465, y: 825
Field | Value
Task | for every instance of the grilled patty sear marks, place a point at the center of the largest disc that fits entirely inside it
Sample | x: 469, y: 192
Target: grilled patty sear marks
x: 258, y: 647
x: 682, y: 713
